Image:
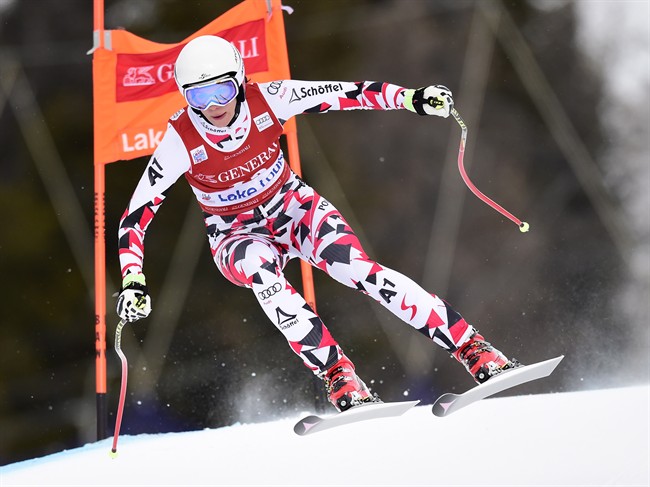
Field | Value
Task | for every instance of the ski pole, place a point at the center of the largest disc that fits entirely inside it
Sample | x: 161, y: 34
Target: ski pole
x: 125, y: 372
x: 523, y: 226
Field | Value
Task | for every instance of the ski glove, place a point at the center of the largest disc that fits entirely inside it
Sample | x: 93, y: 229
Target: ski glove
x: 431, y: 100
x: 134, y: 302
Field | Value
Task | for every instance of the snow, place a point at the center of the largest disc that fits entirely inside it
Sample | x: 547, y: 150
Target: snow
x: 578, y: 438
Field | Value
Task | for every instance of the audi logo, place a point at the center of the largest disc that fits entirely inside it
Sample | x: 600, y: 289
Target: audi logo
x: 267, y: 293
x: 274, y: 87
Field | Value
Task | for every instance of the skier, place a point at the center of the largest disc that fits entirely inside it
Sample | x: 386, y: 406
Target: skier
x: 259, y: 214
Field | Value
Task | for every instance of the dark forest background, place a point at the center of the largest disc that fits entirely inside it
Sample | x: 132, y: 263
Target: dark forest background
x: 576, y: 284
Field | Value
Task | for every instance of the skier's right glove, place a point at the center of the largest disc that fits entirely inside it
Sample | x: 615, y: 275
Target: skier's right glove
x: 430, y: 100
x: 134, y: 302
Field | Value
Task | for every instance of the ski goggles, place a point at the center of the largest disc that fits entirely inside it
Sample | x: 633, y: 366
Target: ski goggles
x: 217, y: 92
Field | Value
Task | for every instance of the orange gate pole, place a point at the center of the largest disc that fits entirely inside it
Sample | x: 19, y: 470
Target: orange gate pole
x: 100, y: 258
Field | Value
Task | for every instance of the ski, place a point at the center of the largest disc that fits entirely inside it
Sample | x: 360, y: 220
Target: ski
x: 449, y: 403
x: 371, y: 410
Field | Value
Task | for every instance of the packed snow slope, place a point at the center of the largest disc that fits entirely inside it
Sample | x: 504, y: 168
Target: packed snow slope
x: 580, y: 438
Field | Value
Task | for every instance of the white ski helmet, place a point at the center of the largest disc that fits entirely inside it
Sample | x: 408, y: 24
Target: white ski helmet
x: 208, y: 57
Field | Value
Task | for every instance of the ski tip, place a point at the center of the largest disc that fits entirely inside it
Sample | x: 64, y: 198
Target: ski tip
x: 442, y: 405
x: 304, y: 426
x: 410, y: 404
x: 555, y: 361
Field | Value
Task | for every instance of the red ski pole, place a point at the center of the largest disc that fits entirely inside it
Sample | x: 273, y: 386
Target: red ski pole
x: 523, y: 226
x: 125, y: 373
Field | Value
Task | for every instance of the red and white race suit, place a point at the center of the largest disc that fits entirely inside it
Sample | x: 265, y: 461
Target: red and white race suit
x: 259, y: 214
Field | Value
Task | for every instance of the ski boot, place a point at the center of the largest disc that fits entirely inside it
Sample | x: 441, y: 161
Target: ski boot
x: 344, y: 387
x: 481, y: 359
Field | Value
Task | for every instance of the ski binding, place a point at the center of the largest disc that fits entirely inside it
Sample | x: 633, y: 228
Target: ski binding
x: 449, y: 402
x: 363, y: 412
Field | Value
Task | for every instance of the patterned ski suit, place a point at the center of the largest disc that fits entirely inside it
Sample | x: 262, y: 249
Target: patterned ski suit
x: 259, y: 214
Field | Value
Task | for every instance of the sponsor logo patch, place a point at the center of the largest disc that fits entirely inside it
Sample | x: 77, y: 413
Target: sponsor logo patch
x: 267, y: 293
x: 199, y: 154
x: 263, y: 121
x: 304, y: 92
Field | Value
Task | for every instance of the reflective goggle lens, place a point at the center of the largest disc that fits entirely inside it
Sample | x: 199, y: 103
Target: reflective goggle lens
x: 218, y: 93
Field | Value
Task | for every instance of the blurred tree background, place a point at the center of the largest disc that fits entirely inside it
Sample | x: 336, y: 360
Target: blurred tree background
x: 556, y: 97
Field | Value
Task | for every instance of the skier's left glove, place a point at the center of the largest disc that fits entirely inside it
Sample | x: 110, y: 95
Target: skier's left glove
x: 134, y: 302
x: 430, y: 100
